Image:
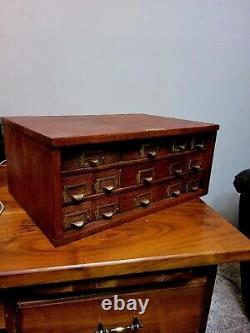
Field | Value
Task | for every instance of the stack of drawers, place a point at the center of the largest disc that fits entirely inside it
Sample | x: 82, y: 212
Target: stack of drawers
x: 98, y: 185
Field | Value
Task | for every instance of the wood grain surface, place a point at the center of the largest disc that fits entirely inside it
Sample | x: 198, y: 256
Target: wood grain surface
x: 61, y: 131
x: 187, y: 235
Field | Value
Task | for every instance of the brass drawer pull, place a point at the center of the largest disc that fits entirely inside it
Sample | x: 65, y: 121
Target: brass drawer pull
x: 108, y: 215
x: 194, y: 188
x: 180, y: 147
x: 144, y: 202
x: 94, y: 162
x: 197, y: 167
x: 178, y: 172
x: 151, y: 154
x: 108, y: 189
x: 147, y: 180
x: 175, y: 193
x: 78, y: 197
x: 199, y: 146
x: 136, y: 324
x: 78, y: 224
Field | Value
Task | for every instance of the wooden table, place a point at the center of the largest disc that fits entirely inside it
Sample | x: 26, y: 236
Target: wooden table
x: 169, y: 257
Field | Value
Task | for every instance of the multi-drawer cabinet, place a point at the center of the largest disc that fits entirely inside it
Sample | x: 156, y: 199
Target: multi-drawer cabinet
x: 79, y: 175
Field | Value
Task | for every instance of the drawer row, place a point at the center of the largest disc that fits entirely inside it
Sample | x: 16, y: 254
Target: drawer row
x: 81, y: 214
x: 96, y: 155
x: 78, y: 188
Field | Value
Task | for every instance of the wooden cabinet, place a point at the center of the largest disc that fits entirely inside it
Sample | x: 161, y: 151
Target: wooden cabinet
x: 168, y: 257
x: 119, y: 166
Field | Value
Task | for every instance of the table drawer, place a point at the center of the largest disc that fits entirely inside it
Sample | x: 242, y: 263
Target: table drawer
x: 172, y: 310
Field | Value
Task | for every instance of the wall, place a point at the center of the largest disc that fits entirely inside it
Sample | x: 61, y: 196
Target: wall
x: 187, y: 59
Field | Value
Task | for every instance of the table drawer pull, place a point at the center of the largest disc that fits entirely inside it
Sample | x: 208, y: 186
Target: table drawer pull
x: 151, y: 154
x: 175, y: 194
x: 108, y: 215
x: 136, y: 324
x: 78, y: 197
x: 199, y: 146
x: 144, y: 202
x: 178, y: 172
x: 108, y: 189
x: 78, y: 224
x: 197, y: 167
x: 147, y: 180
x: 94, y: 163
x: 194, y: 188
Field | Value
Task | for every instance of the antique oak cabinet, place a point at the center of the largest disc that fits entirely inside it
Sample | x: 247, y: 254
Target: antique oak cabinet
x: 78, y: 175
x: 168, y: 257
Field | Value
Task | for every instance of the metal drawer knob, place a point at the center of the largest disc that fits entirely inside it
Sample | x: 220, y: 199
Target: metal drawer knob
x: 144, y: 202
x: 77, y: 224
x: 147, y: 180
x: 108, y: 189
x: 136, y: 325
x: 108, y: 215
x: 94, y: 162
x: 78, y: 197
x: 151, y: 154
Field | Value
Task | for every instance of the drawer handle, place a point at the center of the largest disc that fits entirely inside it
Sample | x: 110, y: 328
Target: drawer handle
x: 108, y: 215
x: 199, y: 146
x: 144, y: 202
x: 108, y: 189
x: 194, y: 188
x: 180, y: 147
x: 136, y: 324
x: 78, y: 197
x: 175, y: 194
x: 178, y: 172
x: 197, y: 167
x: 151, y: 154
x: 94, y: 162
x: 77, y: 224
x: 147, y: 180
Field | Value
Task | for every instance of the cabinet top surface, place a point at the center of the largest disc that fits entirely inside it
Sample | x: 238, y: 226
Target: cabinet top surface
x: 60, y: 131
x: 187, y: 235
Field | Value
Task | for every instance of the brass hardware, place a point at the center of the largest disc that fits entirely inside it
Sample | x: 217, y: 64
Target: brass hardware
x: 78, y: 197
x: 113, y: 180
x: 144, y: 202
x: 108, y: 189
x: 175, y: 194
x: 199, y: 146
x: 180, y: 147
x: 194, y: 188
x: 94, y: 162
x: 178, y: 172
x: 107, y: 215
x: 147, y: 180
x: 145, y: 175
x: 197, y: 167
x: 151, y: 154
x: 136, y: 324
x: 78, y: 224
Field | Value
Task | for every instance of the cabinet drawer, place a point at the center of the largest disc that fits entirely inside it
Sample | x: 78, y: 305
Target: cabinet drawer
x: 76, y: 217
x: 76, y: 188
x: 173, y: 310
x: 89, y: 157
x: 105, y: 208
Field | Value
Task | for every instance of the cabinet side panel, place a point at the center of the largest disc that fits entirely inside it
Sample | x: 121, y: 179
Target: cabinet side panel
x: 31, y: 177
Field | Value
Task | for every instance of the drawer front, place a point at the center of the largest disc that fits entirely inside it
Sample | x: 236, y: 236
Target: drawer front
x: 81, y: 157
x: 178, y: 166
x: 136, y: 151
x: 173, y: 310
x: 105, y: 208
x: 76, y: 217
x: 193, y: 183
x: 174, y: 189
x: 107, y: 181
x: 196, y: 163
x: 76, y: 188
x: 142, y: 198
x: 144, y: 173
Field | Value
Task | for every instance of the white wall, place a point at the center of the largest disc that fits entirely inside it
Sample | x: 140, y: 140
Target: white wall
x: 184, y: 58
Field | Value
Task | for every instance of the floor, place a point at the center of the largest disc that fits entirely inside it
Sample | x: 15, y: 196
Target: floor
x: 227, y: 309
